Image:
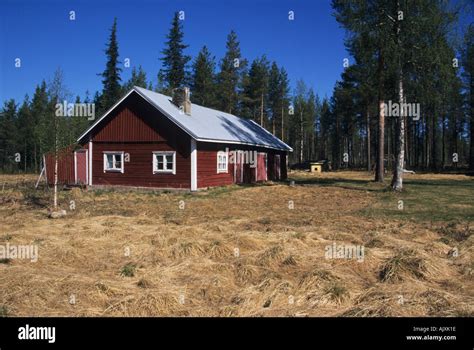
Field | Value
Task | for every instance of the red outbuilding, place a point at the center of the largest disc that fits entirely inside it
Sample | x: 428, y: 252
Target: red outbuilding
x: 151, y: 140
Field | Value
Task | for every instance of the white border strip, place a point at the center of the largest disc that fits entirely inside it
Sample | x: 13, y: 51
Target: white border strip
x: 75, y: 167
x: 193, y: 165
x: 90, y: 163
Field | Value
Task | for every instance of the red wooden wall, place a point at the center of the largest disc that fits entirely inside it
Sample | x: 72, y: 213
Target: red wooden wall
x: 138, y: 129
x: 207, y: 165
x: 65, y: 166
x: 138, y: 171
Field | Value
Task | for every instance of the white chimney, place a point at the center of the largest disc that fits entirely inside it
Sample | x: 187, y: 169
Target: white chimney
x: 182, y: 99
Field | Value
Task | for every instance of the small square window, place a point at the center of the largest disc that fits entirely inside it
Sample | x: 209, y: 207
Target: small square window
x: 164, y: 162
x: 113, y: 162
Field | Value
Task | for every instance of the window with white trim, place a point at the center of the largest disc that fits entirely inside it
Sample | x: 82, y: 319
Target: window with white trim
x: 164, y: 162
x: 113, y: 161
x: 222, y: 160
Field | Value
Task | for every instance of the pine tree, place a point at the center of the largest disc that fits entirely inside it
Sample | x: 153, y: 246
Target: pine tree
x: 112, y: 89
x: 274, y: 100
x: 39, y: 110
x: 256, y: 90
x: 203, y: 83
x: 138, y: 78
x: 25, y: 131
x: 78, y: 124
x: 284, y: 90
x: 345, y: 113
x: 8, y: 137
x: 278, y: 89
x: 468, y: 78
x: 369, y: 25
x: 229, y: 79
x: 173, y: 73
x: 312, y: 106
x: 325, y: 129
x: 400, y: 58
x: 298, y: 122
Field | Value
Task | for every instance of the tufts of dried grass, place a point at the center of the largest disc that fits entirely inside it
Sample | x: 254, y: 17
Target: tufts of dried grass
x: 455, y: 231
x: 185, y: 249
x: 245, y: 273
x: 336, y: 292
x: 146, y: 304
x: 371, y: 303
x: 219, y: 250
x: 236, y: 251
x: 405, y: 262
x: 272, y: 255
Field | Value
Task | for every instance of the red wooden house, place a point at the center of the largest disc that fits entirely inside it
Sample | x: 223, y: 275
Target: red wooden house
x: 151, y: 140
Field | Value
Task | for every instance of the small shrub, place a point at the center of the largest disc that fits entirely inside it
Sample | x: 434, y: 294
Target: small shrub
x: 337, y: 292
x: 128, y: 270
x: 3, y: 311
x: 6, y: 237
x: 264, y: 221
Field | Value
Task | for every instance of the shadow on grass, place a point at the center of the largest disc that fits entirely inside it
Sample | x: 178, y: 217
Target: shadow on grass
x: 445, y: 183
x: 370, y: 185
x: 349, y: 184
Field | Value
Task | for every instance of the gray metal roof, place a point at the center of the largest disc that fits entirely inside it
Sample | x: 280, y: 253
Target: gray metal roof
x: 207, y: 124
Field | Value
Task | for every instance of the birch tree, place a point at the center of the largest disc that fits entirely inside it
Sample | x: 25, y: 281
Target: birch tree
x: 57, y: 92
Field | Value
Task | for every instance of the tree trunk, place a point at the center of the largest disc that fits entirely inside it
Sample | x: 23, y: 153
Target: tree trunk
x: 379, y: 174
x: 471, y: 93
x: 454, y: 141
x: 429, y: 136
x: 397, y: 180
x: 471, y: 160
x: 282, y: 128
x: 24, y: 156
x: 408, y: 142
x: 301, y: 137
x: 443, y: 151
x: 380, y: 149
x: 368, y: 139
x: 434, y: 152
x: 55, y: 204
x: 56, y: 175
x: 34, y: 158
x: 389, y: 143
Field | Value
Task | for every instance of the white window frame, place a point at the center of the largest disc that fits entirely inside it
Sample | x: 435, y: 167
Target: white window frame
x: 164, y: 171
x: 226, y: 169
x: 114, y: 169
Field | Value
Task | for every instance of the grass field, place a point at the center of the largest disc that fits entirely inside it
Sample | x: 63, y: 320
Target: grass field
x: 243, y: 250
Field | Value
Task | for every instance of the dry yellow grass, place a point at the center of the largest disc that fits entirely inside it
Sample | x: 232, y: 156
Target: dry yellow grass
x: 237, y: 251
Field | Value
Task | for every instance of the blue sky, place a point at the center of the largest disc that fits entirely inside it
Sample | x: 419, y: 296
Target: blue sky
x: 40, y: 33
x: 42, y: 36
